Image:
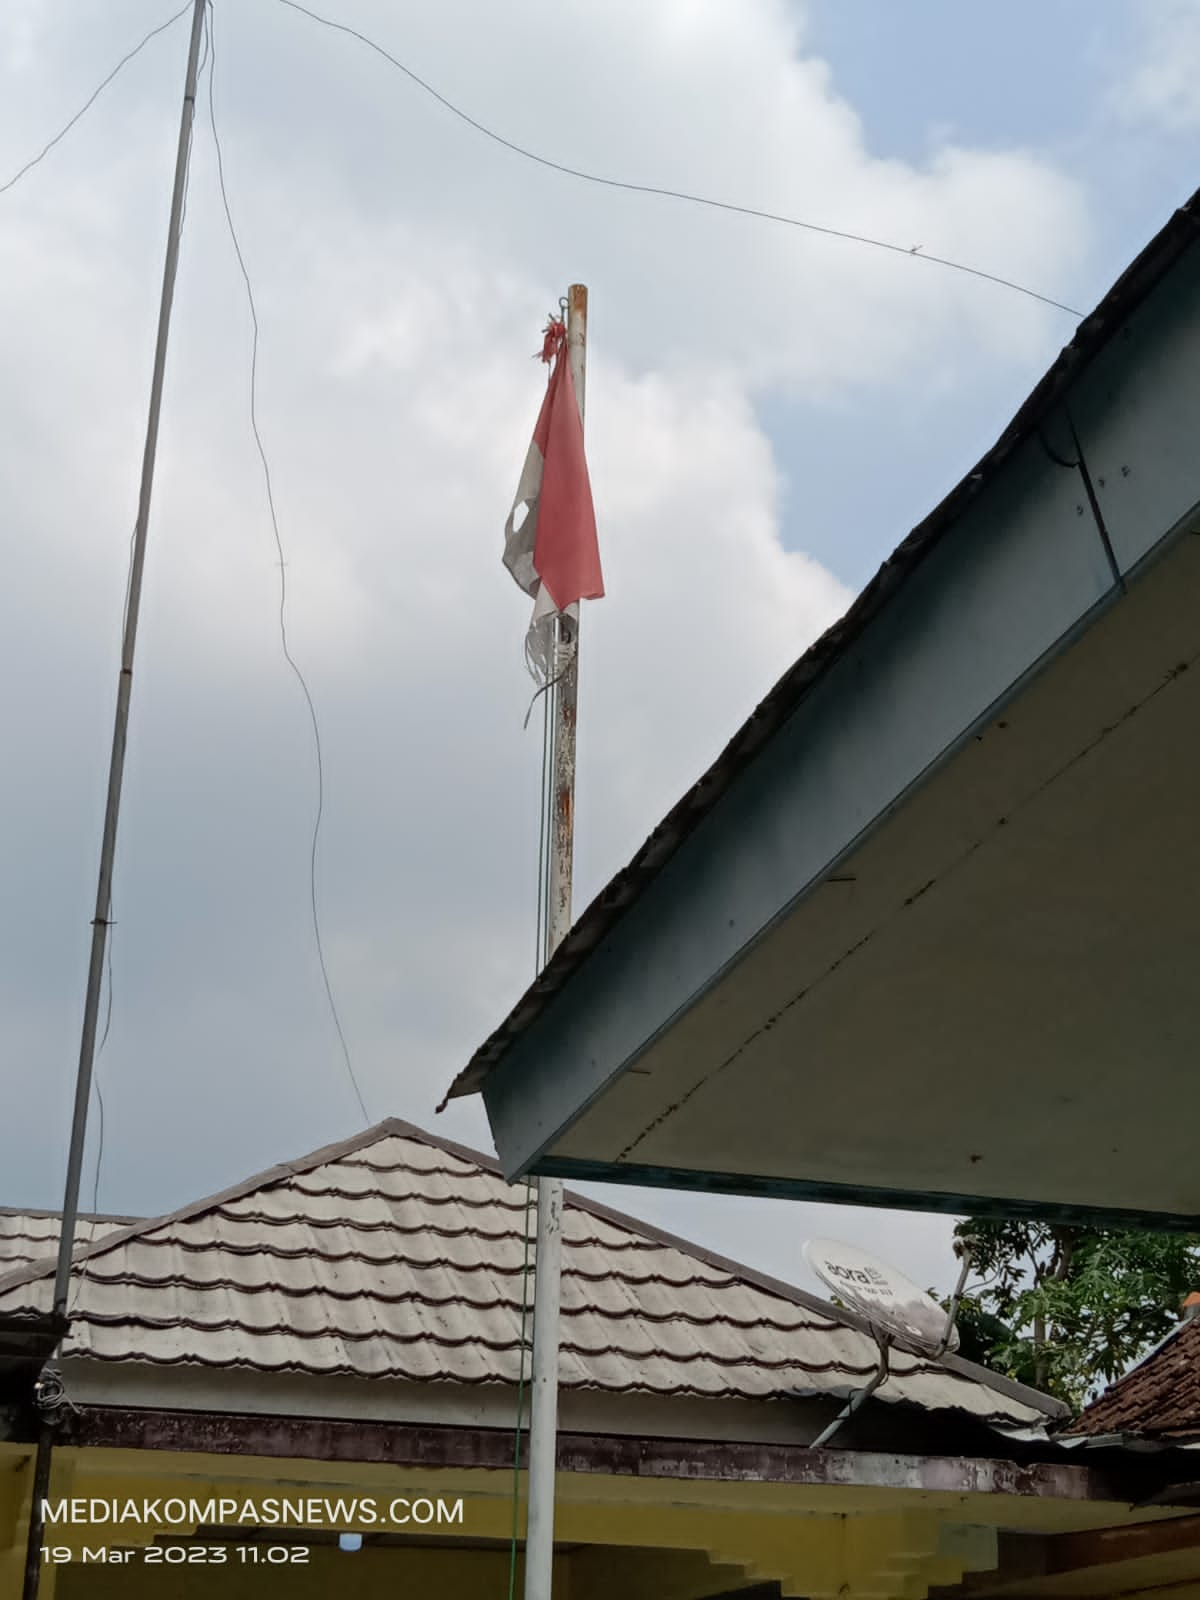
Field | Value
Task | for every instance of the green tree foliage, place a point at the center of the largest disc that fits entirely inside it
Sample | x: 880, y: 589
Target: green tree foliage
x: 1070, y: 1309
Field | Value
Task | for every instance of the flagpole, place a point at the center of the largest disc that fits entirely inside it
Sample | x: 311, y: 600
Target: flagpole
x: 543, y: 1425
x: 108, y: 843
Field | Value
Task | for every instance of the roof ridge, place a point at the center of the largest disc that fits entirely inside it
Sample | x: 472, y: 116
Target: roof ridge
x: 83, y: 1216
x: 279, y: 1173
x: 398, y: 1127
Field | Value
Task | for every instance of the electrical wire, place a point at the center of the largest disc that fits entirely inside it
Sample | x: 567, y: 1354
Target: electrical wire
x: 914, y: 253
x: 287, y: 654
x: 92, y: 98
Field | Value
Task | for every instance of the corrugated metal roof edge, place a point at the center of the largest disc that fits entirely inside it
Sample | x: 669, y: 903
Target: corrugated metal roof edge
x: 1162, y: 253
x: 955, y: 1365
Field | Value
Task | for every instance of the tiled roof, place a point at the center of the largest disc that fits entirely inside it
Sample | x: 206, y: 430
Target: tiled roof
x: 28, y: 1236
x: 1159, y: 1398
x: 395, y: 1255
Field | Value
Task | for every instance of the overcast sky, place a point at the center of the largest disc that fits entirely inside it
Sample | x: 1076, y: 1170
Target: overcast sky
x: 769, y: 412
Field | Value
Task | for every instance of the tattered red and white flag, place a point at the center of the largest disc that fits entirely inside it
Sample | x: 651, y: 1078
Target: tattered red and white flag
x: 553, y: 554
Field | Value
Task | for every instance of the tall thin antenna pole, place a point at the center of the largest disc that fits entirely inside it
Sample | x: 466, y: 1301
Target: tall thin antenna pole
x: 543, y: 1424
x: 116, y: 770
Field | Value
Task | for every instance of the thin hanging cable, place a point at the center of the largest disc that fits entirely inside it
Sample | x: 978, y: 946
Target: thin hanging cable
x: 914, y: 253
x: 537, y: 695
x: 92, y: 98
x: 287, y: 654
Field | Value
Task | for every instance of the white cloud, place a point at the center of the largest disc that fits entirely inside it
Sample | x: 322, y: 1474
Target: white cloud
x: 20, y: 31
x: 401, y: 270
x: 1163, y: 86
x: 701, y: 99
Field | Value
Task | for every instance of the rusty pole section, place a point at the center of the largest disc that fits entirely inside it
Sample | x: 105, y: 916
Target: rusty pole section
x: 562, y: 821
x: 116, y: 772
x: 543, y: 1426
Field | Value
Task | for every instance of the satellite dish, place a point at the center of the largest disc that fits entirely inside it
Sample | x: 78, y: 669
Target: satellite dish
x: 889, y: 1301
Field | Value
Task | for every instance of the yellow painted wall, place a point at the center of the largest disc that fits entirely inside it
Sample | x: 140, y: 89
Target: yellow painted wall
x: 637, y: 1539
x: 367, y: 1574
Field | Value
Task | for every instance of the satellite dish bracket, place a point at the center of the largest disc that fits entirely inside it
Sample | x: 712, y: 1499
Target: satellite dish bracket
x: 883, y: 1341
x: 955, y: 1300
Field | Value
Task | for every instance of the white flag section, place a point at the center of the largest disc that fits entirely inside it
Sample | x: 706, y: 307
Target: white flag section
x: 553, y: 552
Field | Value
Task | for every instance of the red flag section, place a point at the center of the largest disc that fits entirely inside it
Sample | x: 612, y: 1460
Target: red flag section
x: 554, y: 554
x: 566, y: 553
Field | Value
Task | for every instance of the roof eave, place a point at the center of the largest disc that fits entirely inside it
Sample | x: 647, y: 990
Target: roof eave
x: 624, y: 889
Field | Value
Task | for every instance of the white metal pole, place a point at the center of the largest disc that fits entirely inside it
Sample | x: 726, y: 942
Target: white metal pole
x: 543, y: 1425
